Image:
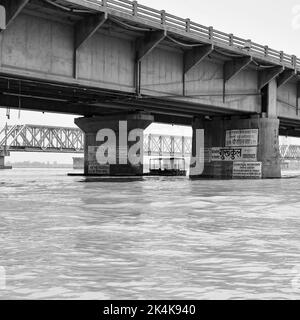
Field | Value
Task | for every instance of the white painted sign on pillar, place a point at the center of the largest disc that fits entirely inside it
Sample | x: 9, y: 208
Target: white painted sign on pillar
x: 234, y: 154
x: 250, y: 170
x: 92, y: 150
x: 242, y: 138
x: 93, y: 166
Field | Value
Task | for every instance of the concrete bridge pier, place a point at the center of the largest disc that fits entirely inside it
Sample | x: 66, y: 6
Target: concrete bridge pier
x: 1, y: 162
x: 238, y: 148
x: 114, y: 143
x: 4, y: 154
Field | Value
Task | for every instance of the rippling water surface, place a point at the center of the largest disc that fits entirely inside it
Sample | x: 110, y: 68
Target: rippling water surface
x: 150, y: 238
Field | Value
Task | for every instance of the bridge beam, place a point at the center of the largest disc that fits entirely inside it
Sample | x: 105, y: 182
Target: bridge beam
x: 2, y: 18
x: 148, y: 43
x: 144, y: 46
x: 87, y: 27
x: 193, y: 57
x: 48, y: 105
x: 285, y: 76
x: 116, y: 152
x: 13, y: 9
x: 266, y: 76
x: 174, y: 120
x: 234, y: 67
x: 84, y: 30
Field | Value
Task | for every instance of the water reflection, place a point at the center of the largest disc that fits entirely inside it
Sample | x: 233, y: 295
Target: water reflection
x: 154, y: 238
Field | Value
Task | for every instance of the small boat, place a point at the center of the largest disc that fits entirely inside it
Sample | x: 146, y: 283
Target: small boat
x: 167, y: 167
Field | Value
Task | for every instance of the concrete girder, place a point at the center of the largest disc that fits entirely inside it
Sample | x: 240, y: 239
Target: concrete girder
x: 52, y: 105
x: 235, y: 66
x: 285, y: 76
x: 13, y: 8
x: 175, y: 120
x: 193, y: 57
x: 86, y: 28
x: 143, y: 47
x: 2, y: 18
x: 45, y: 105
x: 232, y: 68
x: 266, y: 76
x: 151, y: 40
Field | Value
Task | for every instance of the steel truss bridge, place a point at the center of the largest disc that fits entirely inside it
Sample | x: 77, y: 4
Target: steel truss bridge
x: 35, y: 138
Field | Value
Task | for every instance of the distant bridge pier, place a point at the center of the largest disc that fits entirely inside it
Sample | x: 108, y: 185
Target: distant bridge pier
x: 239, y: 148
x: 112, y: 133
x: 3, y: 154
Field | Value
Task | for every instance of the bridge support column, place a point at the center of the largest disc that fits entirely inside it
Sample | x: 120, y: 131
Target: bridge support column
x: 238, y: 148
x: 1, y: 162
x: 114, y: 144
x: 3, y: 154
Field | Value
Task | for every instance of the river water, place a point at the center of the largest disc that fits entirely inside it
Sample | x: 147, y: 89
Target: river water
x: 148, y: 238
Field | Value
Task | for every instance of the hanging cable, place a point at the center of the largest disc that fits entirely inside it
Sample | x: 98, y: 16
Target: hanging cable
x: 20, y: 102
x: 233, y: 55
x: 261, y: 65
x: 184, y: 44
x: 128, y: 26
x: 66, y: 8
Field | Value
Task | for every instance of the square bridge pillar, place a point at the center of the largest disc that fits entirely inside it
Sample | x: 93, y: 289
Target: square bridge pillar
x: 114, y: 144
x: 1, y: 162
x: 237, y: 148
x: 3, y: 154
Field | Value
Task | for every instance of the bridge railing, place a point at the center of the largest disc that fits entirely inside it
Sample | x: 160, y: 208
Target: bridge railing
x: 166, y: 20
x: 290, y: 152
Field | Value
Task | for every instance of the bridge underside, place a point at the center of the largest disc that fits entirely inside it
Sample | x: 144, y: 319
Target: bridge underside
x: 121, y: 59
x: 80, y: 58
x: 39, y: 95
x: 43, y: 96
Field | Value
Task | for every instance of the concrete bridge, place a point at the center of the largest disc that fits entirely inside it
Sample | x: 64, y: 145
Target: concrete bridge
x: 115, y: 60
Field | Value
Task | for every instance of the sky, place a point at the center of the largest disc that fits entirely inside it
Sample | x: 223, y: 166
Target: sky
x: 268, y: 22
